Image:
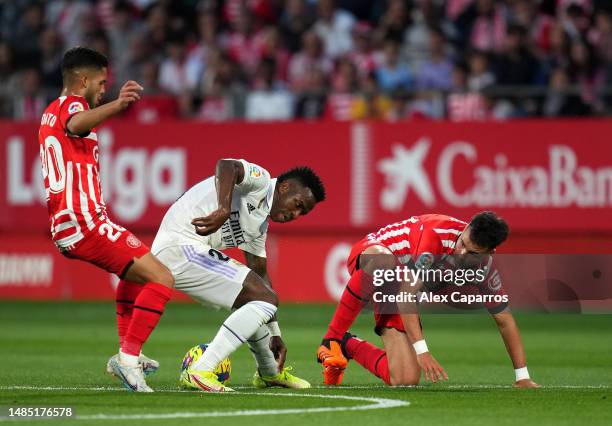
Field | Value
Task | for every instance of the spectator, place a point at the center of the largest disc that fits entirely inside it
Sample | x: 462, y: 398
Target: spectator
x: 311, y: 57
x: 393, y: 73
x: 222, y: 87
x: 483, y: 25
x: 436, y: 72
x: 273, y: 48
x: 585, y: 72
x: 393, y: 23
x: 311, y: 102
x: 174, y: 75
x: 334, y: 27
x: 464, y: 105
x: 270, y: 101
x: 244, y: 43
x: 601, y: 39
x: 479, y: 77
x: 27, y: 33
x: 72, y: 18
x: 9, y: 80
x: 424, y: 17
x: 208, y: 39
x: 121, y: 31
x: 262, y: 10
x: 515, y: 64
x: 155, y: 27
x: 340, y: 103
x: 156, y: 104
x: 575, y: 20
x: 295, y: 20
x: 30, y: 101
x: 560, y: 101
x: 373, y: 104
x: 556, y: 55
x: 52, y: 50
x: 365, y: 58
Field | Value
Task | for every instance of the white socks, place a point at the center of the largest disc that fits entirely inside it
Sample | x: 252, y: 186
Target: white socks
x: 259, y: 343
x: 241, y: 324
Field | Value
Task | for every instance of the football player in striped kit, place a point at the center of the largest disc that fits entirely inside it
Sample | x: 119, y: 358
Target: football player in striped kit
x: 80, y: 226
x: 416, y: 241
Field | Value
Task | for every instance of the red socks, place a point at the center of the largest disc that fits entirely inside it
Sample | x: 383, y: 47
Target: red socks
x: 370, y: 357
x: 124, y: 297
x: 148, y: 308
x: 351, y: 303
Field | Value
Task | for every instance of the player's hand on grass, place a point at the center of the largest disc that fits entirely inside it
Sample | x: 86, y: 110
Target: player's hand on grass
x: 431, y: 368
x: 526, y: 383
x: 278, y: 348
x: 129, y: 93
x: 211, y: 223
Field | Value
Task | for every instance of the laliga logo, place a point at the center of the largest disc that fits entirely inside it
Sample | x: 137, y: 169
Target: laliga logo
x: 560, y: 183
x: 132, y: 178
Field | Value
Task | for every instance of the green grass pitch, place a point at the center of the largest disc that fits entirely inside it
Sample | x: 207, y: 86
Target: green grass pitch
x: 55, y: 355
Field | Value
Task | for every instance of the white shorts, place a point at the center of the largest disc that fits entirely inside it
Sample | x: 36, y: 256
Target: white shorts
x: 205, y: 274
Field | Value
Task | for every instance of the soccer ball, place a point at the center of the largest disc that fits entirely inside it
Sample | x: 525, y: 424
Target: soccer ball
x: 223, y: 370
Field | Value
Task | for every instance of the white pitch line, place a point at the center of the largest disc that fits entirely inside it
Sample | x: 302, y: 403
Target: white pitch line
x: 373, y: 404
x: 343, y: 387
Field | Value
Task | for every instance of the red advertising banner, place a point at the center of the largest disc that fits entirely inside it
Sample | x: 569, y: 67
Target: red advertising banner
x: 540, y: 175
x: 302, y: 268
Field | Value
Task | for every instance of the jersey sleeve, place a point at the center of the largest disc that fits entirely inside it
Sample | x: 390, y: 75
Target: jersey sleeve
x: 493, y: 285
x: 256, y: 178
x: 70, y: 107
x: 257, y: 246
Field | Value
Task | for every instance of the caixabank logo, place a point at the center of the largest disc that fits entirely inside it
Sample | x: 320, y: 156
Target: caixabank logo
x: 462, y: 177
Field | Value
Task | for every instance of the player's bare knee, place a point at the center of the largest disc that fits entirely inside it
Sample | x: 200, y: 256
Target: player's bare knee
x: 158, y: 273
x: 165, y: 277
x: 254, y: 289
x: 404, y: 379
x: 271, y: 298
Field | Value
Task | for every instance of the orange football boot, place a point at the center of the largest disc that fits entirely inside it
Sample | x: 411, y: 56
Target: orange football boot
x: 334, y: 362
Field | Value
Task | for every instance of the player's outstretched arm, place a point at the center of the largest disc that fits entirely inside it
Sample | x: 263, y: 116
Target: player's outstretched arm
x: 514, y: 345
x: 432, y: 370
x: 83, y: 122
x: 228, y: 174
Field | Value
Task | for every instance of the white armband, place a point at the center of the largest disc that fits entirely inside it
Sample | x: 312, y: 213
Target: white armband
x: 521, y: 373
x: 274, y: 328
x: 420, y: 347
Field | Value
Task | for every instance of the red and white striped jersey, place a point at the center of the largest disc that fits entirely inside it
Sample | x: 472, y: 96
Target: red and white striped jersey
x: 430, y: 233
x: 71, y: 173
x: 436, y: 234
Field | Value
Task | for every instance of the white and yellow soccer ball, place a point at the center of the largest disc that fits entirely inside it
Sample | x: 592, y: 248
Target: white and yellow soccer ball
x: 223, y: 370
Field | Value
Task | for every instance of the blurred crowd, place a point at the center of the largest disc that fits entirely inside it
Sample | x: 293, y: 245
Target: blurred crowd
x: 214, y: 60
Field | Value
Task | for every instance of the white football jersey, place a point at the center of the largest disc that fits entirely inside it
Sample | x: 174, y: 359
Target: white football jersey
x: 248, y: 223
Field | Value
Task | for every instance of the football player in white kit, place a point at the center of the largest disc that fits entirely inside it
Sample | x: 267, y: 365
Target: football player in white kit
x: 231, y: 209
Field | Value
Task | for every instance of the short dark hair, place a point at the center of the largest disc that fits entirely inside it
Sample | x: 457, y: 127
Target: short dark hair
x: 82, y: 57
x: 307, y: 178
x: 488, y: 230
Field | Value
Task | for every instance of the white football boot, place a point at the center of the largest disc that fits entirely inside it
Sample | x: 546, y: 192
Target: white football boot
x: 132, y: 377
x: 149, y: 366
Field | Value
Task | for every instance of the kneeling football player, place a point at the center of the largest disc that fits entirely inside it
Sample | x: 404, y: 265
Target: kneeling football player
x: 417, y: 240
x: 232, y: 209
